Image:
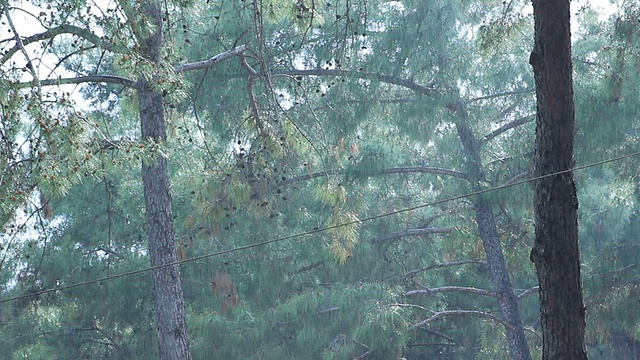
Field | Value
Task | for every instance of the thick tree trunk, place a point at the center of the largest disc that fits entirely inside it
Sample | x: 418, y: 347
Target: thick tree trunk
x: 169, y: 301
x: 487, y: 228
x: 555, y: 252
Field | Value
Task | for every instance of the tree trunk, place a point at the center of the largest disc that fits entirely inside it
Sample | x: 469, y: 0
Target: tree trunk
x: 487, y: 228
x: 169, y: 302
x: 555, y: 252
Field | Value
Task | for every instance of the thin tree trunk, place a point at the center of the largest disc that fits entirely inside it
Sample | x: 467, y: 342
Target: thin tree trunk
x: 169, y: 301
x: 487, y: 228
x: 555, y: 252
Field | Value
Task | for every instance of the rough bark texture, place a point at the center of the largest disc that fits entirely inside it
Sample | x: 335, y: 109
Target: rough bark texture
x: 555, y: 253
x: 518, y: 347
x: 169, y: 302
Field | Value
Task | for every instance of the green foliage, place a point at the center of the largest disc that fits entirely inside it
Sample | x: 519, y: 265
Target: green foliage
x: 349, y: 101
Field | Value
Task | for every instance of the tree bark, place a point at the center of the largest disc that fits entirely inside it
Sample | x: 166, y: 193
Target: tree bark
x: 555, y: 252
x: 487, y: 228
x: 169, y: 301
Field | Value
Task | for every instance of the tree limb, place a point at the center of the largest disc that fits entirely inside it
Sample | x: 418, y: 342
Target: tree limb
x: 460, y: 289
x: 111, y: 79
x: 515, y: 123
x: 328, y: 310
x: 528, y: 292
x: 205, y: 64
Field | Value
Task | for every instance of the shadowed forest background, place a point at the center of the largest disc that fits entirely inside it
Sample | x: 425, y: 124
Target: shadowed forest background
x: 349, y: 179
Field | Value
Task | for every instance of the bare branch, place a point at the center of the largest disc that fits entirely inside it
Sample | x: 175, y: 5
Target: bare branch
x: 515, y: 123
x: 82, y: 80
x: 205, y: 64
x: 528, y: 292
x: 459, y: 289
x: 412, y: 273
x: 411, y: 232
x: 440, y: 314
x: 328, y: 310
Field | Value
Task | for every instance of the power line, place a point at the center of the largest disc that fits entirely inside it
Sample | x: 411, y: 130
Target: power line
x: 317, y: 230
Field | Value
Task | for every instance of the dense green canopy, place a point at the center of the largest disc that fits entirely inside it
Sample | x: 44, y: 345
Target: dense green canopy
x: 326, y: 178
